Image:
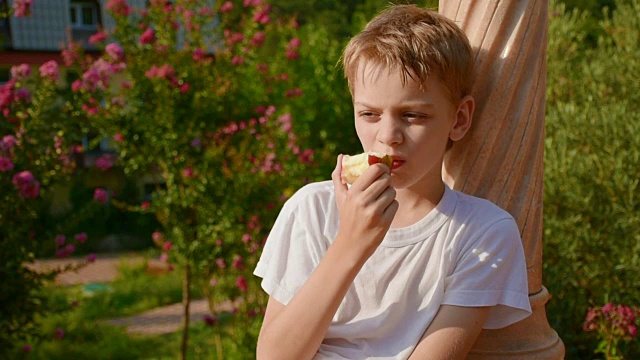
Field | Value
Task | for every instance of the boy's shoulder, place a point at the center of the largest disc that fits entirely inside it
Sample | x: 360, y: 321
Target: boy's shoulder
x: 476, y: 210
x: 314, y: 193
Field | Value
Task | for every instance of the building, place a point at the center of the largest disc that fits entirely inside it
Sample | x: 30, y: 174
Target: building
x: 39, y: 37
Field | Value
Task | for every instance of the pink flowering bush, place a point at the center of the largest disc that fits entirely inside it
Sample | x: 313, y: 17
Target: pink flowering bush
x: 39, y: 142
x: 613, y: 325
x: 199, y: 99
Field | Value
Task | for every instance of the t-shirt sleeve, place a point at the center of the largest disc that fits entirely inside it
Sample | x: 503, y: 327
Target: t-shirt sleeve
x: 491, y: 271
x: 293, y: 249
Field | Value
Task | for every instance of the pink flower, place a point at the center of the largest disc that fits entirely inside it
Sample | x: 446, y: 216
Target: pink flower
x: 233, y: 38
x: 262, y: 67
x: 246, y: 238
x: 91, y: 258
x: 59, y: 333
x: 76, y: 85
x: 188, y: 173
x: 306, y: 156
x: 164, y: 257
x: 292, y: 54
x: 220, y: 263
x: 294, y: 43
x: 60, y: 240
x: 27, y: 184
x: 5, y: 164
x: 90, y: 110
x: 198, y: 55
x: 237, y: 60
x: 147, y: 37
x: 145, y: 205
x: 23, y: 95
x: 157, y: 237
x: 607, y: 307
x: 263, y: 18
x: 114, y: 51
x: 100, y: 36
x: 81, y: 237
x: 238, y: 263
x: 71, y: 53
x: 226, y: 7
x: 118, y: 7
x: 118, y: 137
x: 167, y: 246
x: 104, y: 162
x: 69, y: 249
x: 209, y: 319
x: 49, y: 70
x: 258, y: 38
x: 21, y: 71
x: 100, y: 195
x: 184, y: 88
x: 22, y: 8
x: 241, y: 283
x: 213, y: 282
x: 27, y: 348
x: 293, y: 92
x: 270, y: 110
x: 633, y: 330
x: 8, y: 142
x: 165, y: 71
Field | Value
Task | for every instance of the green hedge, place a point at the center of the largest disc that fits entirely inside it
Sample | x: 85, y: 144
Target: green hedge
x: 592, y: 169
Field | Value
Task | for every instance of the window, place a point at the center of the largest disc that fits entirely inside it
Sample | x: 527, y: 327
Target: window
x: 84, y: 15
x: 5, y: 31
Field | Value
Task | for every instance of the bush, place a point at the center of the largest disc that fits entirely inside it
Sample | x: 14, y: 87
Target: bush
x: 592, y: 159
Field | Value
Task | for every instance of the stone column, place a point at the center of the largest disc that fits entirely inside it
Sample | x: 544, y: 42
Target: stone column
x: 501, y: 158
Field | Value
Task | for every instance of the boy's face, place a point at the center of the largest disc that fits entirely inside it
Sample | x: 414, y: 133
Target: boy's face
x: 412, y: 125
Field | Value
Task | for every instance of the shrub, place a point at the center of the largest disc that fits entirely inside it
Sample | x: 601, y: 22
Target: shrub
x: 592, y: 162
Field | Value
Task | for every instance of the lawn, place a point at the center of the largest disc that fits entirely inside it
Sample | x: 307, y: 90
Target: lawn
x: 78, y: 328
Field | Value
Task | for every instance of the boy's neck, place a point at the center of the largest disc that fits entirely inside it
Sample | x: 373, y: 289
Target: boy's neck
x: 415, y: 205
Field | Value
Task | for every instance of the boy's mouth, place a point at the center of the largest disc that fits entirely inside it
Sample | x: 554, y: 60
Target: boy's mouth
x: 396, y: 164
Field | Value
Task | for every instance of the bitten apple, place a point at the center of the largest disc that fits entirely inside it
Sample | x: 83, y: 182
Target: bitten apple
x: 353, y: 166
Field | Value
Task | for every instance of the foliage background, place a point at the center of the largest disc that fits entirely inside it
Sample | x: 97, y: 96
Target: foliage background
x: 592, y: 166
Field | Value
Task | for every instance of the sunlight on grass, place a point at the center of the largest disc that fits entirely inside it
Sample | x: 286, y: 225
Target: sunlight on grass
x: 78, y: 328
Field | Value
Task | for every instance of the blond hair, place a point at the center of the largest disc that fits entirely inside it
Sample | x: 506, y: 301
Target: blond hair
x: 417, y: 41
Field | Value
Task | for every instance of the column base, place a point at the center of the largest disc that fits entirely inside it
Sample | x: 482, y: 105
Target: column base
x: 531, y: 338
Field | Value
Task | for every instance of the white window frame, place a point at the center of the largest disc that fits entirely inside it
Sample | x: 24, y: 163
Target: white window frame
x: 78, y: 6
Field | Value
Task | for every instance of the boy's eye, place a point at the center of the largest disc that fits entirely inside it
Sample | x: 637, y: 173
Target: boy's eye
x: 414, y: 116
x: 368, y: 115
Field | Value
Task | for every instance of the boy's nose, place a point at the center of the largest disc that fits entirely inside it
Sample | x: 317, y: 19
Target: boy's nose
x: 389, y: 131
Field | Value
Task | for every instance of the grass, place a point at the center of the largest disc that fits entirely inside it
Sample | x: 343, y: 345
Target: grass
x: 81, y: 314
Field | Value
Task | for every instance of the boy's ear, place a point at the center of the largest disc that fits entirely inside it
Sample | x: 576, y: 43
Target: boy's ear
x: 464, y: 118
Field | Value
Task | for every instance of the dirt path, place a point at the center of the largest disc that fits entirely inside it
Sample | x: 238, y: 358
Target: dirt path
x: 104, y: 269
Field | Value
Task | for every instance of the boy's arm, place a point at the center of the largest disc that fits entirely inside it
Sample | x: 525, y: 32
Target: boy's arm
x: 452, y: 333
x: 295, y: 331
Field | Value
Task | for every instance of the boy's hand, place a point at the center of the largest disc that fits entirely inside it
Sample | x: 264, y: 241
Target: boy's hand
x: 366, y: 209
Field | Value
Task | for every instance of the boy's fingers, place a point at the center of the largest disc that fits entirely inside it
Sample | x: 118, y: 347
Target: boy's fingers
x: 336, y: 176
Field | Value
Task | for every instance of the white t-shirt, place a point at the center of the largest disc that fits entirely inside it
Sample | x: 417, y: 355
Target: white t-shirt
x: 465, y: 252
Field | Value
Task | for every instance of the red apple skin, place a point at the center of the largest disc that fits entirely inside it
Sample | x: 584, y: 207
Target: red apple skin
x: 372, y: 159
x: 387, y: 160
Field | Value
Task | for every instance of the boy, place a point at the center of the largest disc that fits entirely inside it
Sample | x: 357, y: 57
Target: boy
x: 397, y: 265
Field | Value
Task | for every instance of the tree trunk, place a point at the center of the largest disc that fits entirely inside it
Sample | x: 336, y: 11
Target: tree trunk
x: 186, y: 300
